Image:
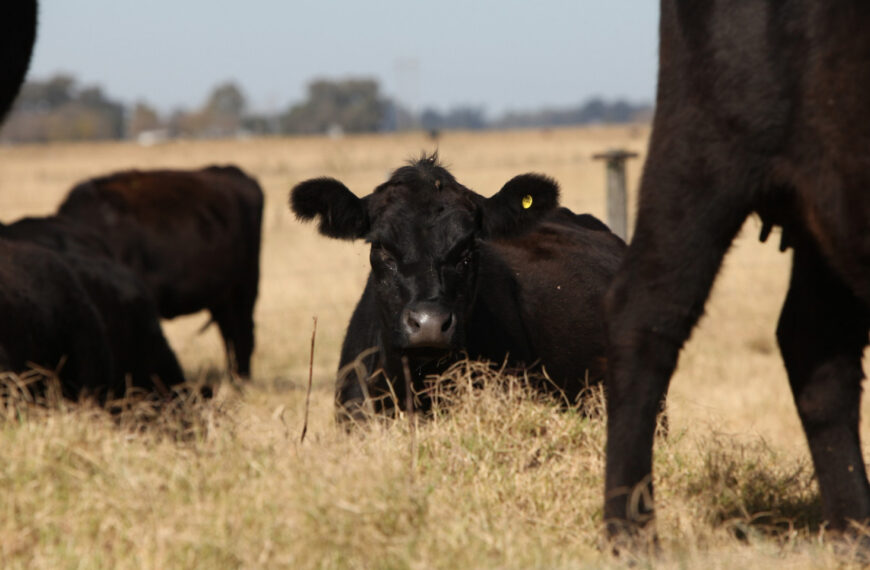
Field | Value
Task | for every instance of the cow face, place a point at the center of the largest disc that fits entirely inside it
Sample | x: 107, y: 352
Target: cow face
x: 424, y: 228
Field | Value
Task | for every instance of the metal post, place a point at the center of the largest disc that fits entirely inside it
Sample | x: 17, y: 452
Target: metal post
x: 617, y: 209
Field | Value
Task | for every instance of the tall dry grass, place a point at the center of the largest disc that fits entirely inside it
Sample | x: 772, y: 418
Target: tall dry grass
x: 498, y: 478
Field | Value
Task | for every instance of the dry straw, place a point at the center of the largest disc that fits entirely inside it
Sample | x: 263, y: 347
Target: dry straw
x: 500, y: 476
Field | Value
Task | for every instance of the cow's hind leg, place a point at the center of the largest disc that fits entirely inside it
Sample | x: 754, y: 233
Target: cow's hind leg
x: 685, y: 226
x: 822, y: 333
x: 235, y: 319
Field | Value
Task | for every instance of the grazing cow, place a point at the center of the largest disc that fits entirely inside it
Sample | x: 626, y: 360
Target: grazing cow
x: 454, y: 271
x: 141, y: 356
x: 762, y: 107
x: 193, y: 237
x: 48, y: 319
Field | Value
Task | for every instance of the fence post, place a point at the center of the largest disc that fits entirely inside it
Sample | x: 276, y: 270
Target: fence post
x: 617, y: 209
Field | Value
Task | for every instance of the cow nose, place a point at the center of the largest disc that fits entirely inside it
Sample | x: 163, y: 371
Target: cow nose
x: 428, y: 326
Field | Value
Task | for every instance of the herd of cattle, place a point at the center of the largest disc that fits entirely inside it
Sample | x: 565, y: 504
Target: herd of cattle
x: 762, y: 107
x: 83, y: 290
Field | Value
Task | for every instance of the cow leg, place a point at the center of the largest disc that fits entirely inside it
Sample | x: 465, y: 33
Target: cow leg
x: 822, y: 333
x: 685, y: 225
x: 235, y: 319
x: 91, y: 366
x: 161, y: 367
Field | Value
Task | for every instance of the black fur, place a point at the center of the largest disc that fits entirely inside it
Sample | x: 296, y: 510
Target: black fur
x: 47, y: 318
x: 494, y: 277
x: 505, y: 213
x: 762, y: 107
x: 17, y: 36
x: 342, y: 215
x: 140, y: 354
x: 50, y: 321
x: 191, y: 236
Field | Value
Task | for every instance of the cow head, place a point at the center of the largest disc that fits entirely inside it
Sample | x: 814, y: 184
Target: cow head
x: 424, y: 228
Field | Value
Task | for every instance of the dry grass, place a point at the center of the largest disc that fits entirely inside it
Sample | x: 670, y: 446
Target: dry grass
x: 497, y: 478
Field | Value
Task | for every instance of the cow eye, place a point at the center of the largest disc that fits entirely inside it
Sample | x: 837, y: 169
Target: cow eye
x: 465, y: 259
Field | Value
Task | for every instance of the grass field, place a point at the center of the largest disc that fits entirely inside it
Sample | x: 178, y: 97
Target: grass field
x: 504, y: 480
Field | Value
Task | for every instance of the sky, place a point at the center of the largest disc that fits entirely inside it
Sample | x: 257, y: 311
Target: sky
x: 501, y: 55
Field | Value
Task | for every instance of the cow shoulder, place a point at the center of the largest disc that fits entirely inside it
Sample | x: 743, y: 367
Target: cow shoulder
x: 92, y: 198
x: 568, y: 218
x: 230, y: 169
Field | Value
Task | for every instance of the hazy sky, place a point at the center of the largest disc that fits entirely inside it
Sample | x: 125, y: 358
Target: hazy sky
x: 502, y: 54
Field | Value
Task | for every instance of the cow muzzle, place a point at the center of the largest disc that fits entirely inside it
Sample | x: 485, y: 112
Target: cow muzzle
x: 428, y: 325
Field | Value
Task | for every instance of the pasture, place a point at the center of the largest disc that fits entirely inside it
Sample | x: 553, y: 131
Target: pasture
x: 503, y: 480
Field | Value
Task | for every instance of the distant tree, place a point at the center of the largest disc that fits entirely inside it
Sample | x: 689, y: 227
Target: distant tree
x: 111, y: 113
x: 260, y: 124
x: 397, y: 117
x: 46, y: 95
x: 143, y: 118
x: 594, y: 110
x: 352, y: 105
x: 221, y: 115
x: 226, y: 99
x: 462, y: 117
x: 56, y: 109
x: 183, y: 123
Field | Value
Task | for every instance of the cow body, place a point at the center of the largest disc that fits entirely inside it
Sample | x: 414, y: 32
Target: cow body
x: 453, y: 272
x: 49, y: 321
x: 140, y: 354
x: 193, y: 237
x: 539, y: 304
x: 47, y: 318
x: 762, y: 107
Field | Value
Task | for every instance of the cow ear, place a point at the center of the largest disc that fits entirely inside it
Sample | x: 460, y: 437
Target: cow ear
x: 519, y: 205
x: 342, y: 214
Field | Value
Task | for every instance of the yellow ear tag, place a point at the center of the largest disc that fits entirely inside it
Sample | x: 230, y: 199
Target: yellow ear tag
x: 527, y: 201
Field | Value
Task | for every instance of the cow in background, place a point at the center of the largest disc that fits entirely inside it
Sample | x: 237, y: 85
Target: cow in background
x: 140, y: 354
x: 762, y: 107
x: 454, y: 271
x: 48, y: 319
x: 193, y: 237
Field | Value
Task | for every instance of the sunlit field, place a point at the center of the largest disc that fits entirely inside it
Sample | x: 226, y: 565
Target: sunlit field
x: 499, y: 478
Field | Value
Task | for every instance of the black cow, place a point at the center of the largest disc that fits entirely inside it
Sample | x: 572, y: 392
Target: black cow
x: 50, y: 321
x: 47, y: 318
x: 193, y: 237
x: 17, y: 36
x: 141, y: 356
x: 452, y: 270
x: 762, y: 107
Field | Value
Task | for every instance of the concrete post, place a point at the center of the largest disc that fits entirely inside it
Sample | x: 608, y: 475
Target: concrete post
x: 617, y: 200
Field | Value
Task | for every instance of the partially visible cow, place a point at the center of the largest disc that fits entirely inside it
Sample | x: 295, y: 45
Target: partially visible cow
x: 140, y: 354
x: 193, y: 237
x: 49, y: 321
x: 454, y: 271
x: 762, y: 107
x: 17, y: 36
x: 47, y: 318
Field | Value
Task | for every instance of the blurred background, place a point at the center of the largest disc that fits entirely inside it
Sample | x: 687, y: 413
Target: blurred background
x: 148, y: 71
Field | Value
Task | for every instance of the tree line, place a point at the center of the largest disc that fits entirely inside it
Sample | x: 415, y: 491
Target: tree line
x: 59, y: 108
